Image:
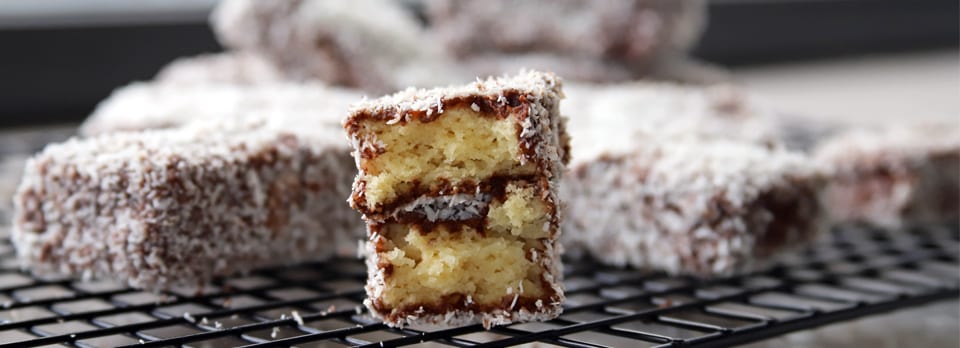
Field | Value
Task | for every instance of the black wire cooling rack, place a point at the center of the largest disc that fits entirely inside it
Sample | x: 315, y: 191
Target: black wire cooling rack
x: 855, y: 272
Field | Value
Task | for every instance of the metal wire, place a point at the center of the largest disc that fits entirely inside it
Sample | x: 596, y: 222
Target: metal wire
x: 856, y: 272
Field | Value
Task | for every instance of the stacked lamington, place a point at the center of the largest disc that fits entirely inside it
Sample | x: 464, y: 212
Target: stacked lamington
x: 458, y: 187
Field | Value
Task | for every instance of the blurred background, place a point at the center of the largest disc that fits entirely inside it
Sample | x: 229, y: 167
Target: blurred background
x: 836, y: 59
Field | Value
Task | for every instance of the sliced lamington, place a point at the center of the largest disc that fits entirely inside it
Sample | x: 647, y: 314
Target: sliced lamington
x: 895, y: 175
x: 458, y: 187
x: 691, y: 205
x: 177, y: 207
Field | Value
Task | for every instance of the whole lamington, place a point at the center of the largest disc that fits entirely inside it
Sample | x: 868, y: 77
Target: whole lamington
x: 683, y: 179
x: 706, y: 207
x: 177, y: 207
x: 458, y: 187
x: 896, y: 175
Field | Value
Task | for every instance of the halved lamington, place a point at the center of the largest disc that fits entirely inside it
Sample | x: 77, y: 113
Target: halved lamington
x: 165, y: 208
x: 691, y: 205
x: 458, y: 187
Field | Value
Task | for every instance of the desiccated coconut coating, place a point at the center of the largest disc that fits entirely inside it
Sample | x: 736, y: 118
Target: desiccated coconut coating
x: 691, y: 206
x: 895, y: 175
x: 458, y: 187
x: 571, y: 68
x: 177, y: 207
x: 306, y: 109
x: 224, y: 67
x: 610, y: 117
x: 680, y: 178
x: 153, y: 105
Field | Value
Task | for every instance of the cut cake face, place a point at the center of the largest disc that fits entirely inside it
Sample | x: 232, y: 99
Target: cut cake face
x: 458, y: 187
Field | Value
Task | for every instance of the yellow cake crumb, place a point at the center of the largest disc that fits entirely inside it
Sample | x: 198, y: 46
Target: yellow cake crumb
x: 522, y: 214
x: 428, y: 266
x: 461, y: 144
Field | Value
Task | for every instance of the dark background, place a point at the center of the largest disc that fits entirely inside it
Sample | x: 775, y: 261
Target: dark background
x: 52, y: 75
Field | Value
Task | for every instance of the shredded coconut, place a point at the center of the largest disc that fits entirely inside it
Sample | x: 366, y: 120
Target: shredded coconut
x: 297, y: 318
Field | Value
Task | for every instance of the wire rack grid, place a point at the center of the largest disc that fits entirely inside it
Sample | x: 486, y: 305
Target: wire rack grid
x: 857, y: 271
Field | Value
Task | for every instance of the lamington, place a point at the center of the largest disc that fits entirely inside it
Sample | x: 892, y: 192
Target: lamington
x: 631, y: 33
x: 895, y: 175
x: 281, y: 106
x: 693, y: 205
x: 459, y: 190
x: 373, y: 45
x: 165, y: 208
x: 684, y: 179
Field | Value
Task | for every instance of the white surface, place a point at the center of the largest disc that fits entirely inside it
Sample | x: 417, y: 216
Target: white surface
x: 913, y: 87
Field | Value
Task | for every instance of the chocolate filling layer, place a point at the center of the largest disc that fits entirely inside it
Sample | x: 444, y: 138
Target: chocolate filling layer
x: 495, y: 186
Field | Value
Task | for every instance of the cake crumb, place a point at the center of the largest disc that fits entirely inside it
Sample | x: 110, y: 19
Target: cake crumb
x: 297, y: 318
